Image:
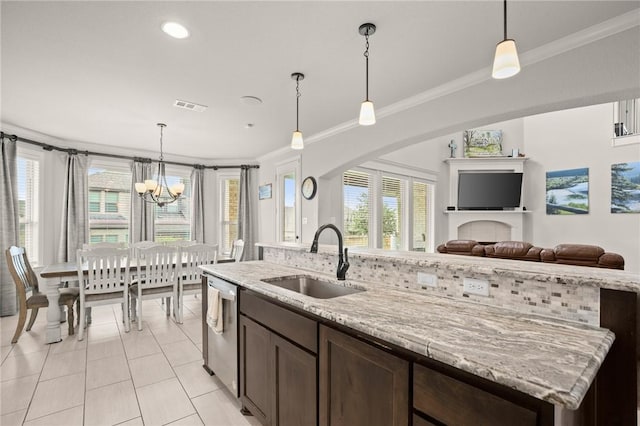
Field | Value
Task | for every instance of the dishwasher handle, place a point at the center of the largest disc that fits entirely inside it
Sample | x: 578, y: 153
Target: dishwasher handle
x: 227, y: 290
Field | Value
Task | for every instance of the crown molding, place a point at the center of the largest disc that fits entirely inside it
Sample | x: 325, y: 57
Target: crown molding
x: 557, y: 47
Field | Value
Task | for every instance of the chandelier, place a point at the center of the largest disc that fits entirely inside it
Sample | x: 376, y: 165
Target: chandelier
x: 158, y: 190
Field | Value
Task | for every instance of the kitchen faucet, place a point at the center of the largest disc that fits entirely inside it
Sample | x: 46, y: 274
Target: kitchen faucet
x: 343, y: 260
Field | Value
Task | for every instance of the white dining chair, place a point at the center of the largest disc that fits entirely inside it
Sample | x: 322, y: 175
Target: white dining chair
x: 91, y: 246
x: 159, y: 279
x: 182, y: 243
x: 190, y: 276
x: 143, y: 244
x: 237, y: 250
x: 105, y: 282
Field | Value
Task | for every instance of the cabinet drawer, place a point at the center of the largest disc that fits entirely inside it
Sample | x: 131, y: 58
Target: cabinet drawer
x: 295, y: 327
x: 419, y: 421
x: 453, y: 402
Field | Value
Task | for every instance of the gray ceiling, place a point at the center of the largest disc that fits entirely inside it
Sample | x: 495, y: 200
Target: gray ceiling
x: 103, y: 72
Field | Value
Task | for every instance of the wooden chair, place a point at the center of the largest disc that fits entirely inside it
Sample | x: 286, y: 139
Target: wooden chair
x: 106, y: 281
x: 26, y: 281
x: 190, y: 276
x: 160, y: 279
x: 237, y: 250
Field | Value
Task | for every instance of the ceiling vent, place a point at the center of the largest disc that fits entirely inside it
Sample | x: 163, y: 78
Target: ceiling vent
x: 189, y: 105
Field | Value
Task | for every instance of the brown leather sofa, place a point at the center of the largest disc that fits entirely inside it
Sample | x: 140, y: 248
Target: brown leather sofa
x: 583, y: 255
x: 462, y: 247
x: 568, y: 254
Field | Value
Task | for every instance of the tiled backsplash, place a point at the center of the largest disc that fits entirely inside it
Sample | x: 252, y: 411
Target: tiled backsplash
x: 527, y: 291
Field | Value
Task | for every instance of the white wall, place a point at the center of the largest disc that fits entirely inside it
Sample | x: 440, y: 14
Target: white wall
x: 574, y: 139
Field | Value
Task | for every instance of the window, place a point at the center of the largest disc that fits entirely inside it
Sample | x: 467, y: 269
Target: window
x: 94, y: 201
x: 391, y: 212
x: 422, y: 217
x: 109, y: 202
x: 357, y: 208
x: 28, y: 205
x: 173, y: 221
x: 229, y: 197
x: 289, y: 208
x: 393, y: 197
x: 288, y: 201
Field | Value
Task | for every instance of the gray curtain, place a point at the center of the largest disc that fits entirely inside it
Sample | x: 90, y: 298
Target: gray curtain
x: 247, y: 215
x: 75, y: 208
x: 197, y: 204
x: 141, y: 215
x: 10, y: 223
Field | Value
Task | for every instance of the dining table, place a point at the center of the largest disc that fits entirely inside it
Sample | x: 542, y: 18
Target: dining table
x: 57, y: 273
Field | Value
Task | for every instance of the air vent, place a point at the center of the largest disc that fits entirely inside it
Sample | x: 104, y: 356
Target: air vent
x: 189, y: 105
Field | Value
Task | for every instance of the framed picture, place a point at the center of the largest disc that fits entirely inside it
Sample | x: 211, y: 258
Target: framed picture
x: 264, y: 191
x: 625, y: 188
x: 482, y: 143
x: 568, y: 192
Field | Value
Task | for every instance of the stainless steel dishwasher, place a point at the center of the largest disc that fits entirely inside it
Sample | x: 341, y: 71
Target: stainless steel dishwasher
x: 221, y: 350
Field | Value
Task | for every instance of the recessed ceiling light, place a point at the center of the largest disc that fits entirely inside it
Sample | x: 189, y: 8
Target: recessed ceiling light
x: 175, y: 30
x: 251, y: 100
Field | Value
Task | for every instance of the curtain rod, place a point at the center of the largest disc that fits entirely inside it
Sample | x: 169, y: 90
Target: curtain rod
x: 48, y: 147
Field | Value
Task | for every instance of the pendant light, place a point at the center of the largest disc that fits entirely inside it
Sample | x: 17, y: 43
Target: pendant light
x: 296, y: 139
x: 157, y: 190
x: 506, y: 63
x: 367, y: 113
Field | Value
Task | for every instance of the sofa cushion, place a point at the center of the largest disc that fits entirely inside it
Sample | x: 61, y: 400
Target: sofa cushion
x: 581, y: 252
x: 611, y: 261
x: 462, y: 247
x: 518, y: 250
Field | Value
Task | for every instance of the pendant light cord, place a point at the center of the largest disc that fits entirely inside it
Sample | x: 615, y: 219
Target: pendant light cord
x: 161, y: 129
x: 505, y: 19
x: 297, y: 103
x: 366, y: 56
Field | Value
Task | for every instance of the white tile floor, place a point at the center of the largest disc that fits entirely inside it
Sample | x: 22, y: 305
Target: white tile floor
x: 149, y: 377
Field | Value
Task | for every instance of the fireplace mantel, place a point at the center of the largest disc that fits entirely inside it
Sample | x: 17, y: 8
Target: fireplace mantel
x: 485, y: 225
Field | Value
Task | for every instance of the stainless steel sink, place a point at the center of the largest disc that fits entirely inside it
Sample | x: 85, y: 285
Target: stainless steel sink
x: 311, y: 286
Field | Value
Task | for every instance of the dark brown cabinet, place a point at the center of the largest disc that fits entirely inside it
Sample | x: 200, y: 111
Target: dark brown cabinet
x: 361, y: 384
x: 453, y: 402
x: 278, y: 375
x: 254, y: 369
x: 294, y: 377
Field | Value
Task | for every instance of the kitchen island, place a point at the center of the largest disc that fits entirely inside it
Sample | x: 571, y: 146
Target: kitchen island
x: 550, y: 360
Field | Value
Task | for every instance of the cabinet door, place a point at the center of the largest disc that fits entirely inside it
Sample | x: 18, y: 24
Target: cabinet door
x: 361, y: 384
x: 294, y: 402
x: 255, y: 392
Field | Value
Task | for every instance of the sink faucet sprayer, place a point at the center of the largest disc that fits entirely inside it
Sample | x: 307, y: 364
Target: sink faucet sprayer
x: 343, y: 260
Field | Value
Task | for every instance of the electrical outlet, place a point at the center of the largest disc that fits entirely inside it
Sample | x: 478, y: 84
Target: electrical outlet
x: 430, y: 280
x: 474, y: 286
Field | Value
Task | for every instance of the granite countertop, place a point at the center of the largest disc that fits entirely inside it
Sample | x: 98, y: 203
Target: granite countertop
x: 613, y: 279
x: 549, y: 359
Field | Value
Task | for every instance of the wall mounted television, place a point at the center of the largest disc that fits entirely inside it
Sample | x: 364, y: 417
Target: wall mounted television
x: 489, y: 190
